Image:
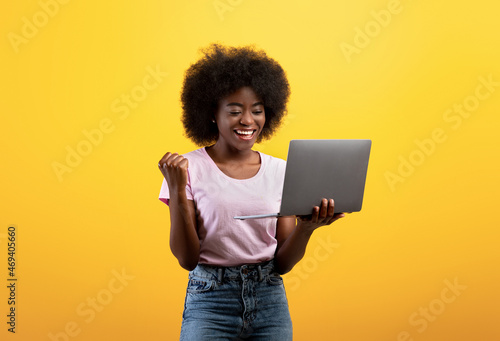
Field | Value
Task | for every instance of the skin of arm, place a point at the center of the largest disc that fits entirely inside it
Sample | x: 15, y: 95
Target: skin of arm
x: 184, y: 242
x: 293, y: 234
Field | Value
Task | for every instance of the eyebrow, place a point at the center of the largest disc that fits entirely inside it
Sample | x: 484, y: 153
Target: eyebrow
x: 241, y: 105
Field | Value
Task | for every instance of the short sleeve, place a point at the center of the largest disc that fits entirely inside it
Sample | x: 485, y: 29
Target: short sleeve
x: 165, y: 195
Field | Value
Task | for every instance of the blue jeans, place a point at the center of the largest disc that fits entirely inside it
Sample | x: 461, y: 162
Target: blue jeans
x: 245, y: 302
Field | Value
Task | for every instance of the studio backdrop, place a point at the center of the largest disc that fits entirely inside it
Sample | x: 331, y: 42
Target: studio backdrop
x: 90, y: 101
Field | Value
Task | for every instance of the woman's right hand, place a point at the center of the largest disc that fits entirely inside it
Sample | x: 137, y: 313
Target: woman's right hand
x: 174, y: 168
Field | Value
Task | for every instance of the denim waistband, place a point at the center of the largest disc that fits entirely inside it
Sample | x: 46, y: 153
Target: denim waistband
x: 255, y: 271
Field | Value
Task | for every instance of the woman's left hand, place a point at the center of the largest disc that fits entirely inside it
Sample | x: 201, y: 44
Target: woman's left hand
x: 321, y: 215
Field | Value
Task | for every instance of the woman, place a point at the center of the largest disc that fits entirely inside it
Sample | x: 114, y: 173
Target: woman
x: 232, y: 98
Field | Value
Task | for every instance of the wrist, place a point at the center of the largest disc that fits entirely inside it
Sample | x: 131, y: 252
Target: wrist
x: 304, y: 228
x: 177, y: 193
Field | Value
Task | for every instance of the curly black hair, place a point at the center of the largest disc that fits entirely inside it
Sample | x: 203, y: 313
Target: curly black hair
x: 222, y: 71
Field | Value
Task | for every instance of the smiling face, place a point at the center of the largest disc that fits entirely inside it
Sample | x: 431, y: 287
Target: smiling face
x: 240, y: 118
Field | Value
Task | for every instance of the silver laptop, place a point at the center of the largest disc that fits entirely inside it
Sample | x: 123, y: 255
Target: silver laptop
x: 317, y: 169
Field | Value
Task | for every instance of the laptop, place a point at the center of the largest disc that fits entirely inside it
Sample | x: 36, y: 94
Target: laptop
x: 317, y: 169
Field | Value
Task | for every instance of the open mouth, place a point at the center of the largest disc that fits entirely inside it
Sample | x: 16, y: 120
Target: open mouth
x: 245, y: 134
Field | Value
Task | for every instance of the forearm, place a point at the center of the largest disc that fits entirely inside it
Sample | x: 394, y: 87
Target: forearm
x: 292, y: 250
x: 184, y: 242
x: 293, y: 235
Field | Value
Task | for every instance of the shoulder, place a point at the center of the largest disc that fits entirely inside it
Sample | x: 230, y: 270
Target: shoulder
x: 273, y: 163
x: 200, y: 163
x: 196, y: 157
x: 195, y: 154
x: 272, y: 159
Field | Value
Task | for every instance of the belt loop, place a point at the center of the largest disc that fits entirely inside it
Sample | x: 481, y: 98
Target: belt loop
x: 259, y: 270
x: 220, y: 275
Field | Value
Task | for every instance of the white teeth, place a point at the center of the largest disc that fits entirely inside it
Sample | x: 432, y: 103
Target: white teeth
x: 244, y: 132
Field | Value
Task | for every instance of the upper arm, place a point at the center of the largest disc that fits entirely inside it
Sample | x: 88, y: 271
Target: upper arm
x: 284, y: 228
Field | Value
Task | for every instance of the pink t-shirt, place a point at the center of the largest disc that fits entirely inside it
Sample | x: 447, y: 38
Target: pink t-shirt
x: 218, y: 198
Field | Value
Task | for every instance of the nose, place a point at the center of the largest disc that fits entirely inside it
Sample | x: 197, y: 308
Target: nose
x: 246, y: 118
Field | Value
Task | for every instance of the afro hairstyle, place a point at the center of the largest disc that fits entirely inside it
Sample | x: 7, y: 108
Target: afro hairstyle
x: 220, y: 72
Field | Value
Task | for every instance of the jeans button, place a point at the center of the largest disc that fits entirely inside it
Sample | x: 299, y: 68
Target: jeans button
x: 244, y: 271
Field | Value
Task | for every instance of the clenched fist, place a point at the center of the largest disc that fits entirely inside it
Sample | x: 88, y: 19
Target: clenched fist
x: 174, y: 168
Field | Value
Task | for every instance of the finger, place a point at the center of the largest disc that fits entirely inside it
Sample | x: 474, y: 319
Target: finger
x: 315, y: 214
x: 165, y: 158
x: 335, y: 217
x: 331, y: 208
x: 181, y: 165
x: 184, y: 164
x: 324, y: 209
x: 172, y: 159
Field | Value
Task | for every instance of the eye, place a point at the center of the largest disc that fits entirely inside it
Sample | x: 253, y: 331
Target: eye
x: 235, y: 112
x: 258, y: 112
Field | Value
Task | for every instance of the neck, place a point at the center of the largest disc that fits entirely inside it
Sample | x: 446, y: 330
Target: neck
x: 222, y: 153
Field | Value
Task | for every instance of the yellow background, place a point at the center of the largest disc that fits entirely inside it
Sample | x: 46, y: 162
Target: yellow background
x: 369, y: 276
